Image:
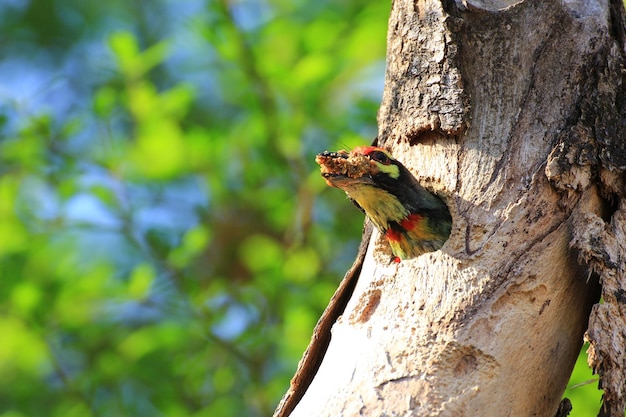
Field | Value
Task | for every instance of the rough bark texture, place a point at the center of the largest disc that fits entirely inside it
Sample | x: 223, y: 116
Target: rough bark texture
x: 514, y: 112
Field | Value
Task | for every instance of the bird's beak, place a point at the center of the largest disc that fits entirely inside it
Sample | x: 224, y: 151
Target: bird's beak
x: 344, y: 182
x: 345, y: 171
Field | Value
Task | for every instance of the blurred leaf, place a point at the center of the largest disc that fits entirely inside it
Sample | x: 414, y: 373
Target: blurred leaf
x: 139, y: 343
x: 21, y: 353
x: 176, y: 101
x: 160, y: 150
x: 133, y: 63
x: 224, y: 379
x: 301, y: 265
x: 260, y: 252
x: 25, y: 297
x: 140, y: 281
x: 313, y: 68
x: 105, y: 101
x: 298, y: 327
x: 14, y: 235
x: 125, y: 48
x: 194, y: 241
x: 74, y: 408
x: 224, y: 406
x: 143, y: 102
x: 111, y: 365
x: 105, y: 194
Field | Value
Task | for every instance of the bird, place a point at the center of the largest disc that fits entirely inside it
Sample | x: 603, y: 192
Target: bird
x: 412, y: 219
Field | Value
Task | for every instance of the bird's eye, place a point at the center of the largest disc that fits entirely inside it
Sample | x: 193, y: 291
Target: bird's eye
x: 380, y: 157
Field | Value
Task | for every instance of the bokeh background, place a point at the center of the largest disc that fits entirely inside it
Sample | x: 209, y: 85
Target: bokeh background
x: 166, y: 242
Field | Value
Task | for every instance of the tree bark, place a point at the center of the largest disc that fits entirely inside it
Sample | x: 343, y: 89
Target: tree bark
x: 514, y: 113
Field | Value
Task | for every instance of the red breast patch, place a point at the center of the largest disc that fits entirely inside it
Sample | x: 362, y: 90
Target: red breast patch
x: 410, y: 222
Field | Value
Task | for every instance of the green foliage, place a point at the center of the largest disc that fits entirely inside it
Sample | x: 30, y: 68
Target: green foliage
x: 166, y: 243
x: 582, y: 389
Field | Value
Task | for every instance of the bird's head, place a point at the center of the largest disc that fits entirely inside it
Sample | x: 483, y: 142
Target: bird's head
x: 344, y: 169
x: 413, y: 220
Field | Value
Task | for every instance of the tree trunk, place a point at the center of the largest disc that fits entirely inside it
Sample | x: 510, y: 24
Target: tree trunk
x: 514, y: 113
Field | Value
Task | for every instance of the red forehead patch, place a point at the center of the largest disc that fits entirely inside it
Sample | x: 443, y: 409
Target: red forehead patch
x: 366, y: 150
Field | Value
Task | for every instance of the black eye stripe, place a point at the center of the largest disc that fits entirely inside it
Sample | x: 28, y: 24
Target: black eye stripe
x: 380, y: 157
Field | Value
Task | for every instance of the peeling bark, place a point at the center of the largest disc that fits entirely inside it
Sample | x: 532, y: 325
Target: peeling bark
x: 603, y: 246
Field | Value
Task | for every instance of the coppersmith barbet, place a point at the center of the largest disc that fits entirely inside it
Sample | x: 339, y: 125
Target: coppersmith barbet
x: 413, y: 220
